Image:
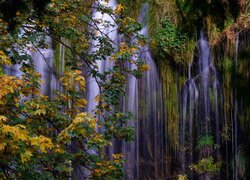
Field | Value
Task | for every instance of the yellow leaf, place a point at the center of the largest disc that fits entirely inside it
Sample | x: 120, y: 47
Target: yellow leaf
x: 144, y: 67
x: 134, y: 49
x: 97, y: 98
x: 40, y: 112
x: 2, y: 146
x: 42, y: 142
x: 18, y: 13
x: 58, y: 149
x: 119, y: 9
x: 21, y: 126
x: 4, y: 59
x: 26, y: 156
x: 2, y: 118
x: 81, y: 102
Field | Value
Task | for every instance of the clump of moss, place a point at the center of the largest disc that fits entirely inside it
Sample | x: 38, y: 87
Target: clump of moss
x: 173, y: 42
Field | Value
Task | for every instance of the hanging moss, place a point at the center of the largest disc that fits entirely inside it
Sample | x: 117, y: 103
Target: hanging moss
x: 170, y: 96
x: 160, y: 10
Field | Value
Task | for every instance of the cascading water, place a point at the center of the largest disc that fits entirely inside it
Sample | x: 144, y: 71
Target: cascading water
x: 204, y: 71
x: 200, y: 110
x: 211, y: 126
x: 235, y: 120
x: 130, y: 150
x: 43, y: 63
x: 202, y: 115
x: 111, y: 32
x: 13, y: 70
x: 107, y: 29
x: 146, y: 155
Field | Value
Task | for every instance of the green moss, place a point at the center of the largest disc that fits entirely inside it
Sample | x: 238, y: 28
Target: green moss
x: 206, y: 140
x: 170, y: 96
x: 228, y: 65
x: 173, y: 42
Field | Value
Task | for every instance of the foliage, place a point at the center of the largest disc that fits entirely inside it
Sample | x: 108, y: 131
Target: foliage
x: 182, y: 177
x: 206, y: 145
x: 31, y: 150
x: 207, y: 140
x: 206, y: 165
x: 17, y: 7
x: 195, y: 12
x: 43, y: 138
x: 160, y: 10
x: 171, y: 41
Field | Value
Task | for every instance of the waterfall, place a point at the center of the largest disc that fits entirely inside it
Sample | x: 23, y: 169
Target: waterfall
x: 104, y: 26
x: 204, y: 71
x: 211, y: 115
x: 200, y: 108
x: 130, y: 150
x: 43, y: 63
x: 146, y: 155
x: 13, y: 70
x: 235, y: 119
x: 102, y: 65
